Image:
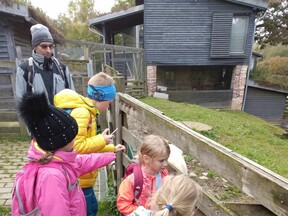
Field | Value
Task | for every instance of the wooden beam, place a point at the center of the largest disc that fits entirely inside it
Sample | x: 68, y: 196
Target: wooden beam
x: 7, y: 64
x: 268, y: 188
x: 249, y: 209
x: 208, y: 205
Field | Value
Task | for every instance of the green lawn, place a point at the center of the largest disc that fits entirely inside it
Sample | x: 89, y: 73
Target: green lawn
x: 245, y: 134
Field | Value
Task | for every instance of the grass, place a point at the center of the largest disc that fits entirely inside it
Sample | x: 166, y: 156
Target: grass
x: 14, y: 138
x: 108, y: 205
x: 229, y: 192
x: 5, y: 211
x: 245, y: 134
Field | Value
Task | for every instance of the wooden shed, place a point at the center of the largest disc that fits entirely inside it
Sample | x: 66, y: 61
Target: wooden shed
x: 15, y: 37
x: 199, y: 50
x: 265, y: 102
x: 15, y: 44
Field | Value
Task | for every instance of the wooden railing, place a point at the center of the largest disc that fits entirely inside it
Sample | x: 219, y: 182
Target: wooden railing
x: 269, y: 190
x: 136, y: 88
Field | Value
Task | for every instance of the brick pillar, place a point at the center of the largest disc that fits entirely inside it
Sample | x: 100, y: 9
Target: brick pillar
x: 238, y: 85
x: 151, y: 79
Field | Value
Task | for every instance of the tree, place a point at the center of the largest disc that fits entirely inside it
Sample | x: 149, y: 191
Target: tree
x: 273, y: 29
x: 122, y: 5
x: 75, y: 23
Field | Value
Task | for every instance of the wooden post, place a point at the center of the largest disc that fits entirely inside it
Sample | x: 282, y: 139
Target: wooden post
x: 119, y: 156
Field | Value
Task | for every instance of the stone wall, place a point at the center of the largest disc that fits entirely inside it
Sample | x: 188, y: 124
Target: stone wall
x: 151, y: 79
x: 238, y: 85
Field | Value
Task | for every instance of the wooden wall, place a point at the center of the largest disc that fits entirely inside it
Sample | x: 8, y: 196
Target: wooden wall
x: 265, y: 104
x: 180, y: 32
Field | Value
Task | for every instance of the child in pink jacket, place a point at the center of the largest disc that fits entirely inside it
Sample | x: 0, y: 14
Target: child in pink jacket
x: 48, y: 183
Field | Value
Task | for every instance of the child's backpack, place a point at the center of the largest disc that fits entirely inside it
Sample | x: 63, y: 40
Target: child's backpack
x: 69, y: 110
x: 135, y: 168
x: 28, y: 68
x: 24, y: 188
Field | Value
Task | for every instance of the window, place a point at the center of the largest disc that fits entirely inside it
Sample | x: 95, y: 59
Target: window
x: 238, y: 34
x: 169, y: 78
x: 229, y: 35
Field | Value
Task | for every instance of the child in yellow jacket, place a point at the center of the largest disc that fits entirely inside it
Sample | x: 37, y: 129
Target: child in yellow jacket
x: 100, y: 93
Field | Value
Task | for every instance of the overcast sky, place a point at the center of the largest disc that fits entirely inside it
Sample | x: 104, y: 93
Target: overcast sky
x: 54, y: 7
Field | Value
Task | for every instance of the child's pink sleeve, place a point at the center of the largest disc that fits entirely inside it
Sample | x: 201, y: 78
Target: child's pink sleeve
x: 90, y: 162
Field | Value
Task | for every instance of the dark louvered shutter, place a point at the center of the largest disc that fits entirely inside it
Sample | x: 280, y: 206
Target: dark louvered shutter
x: 221, y: 33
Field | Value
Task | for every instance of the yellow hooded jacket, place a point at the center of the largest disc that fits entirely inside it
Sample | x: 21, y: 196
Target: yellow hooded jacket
x: 86, y: 140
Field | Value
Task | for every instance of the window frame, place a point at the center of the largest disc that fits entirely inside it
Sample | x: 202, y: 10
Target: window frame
x: 221, y: 34
x: 245, y: 34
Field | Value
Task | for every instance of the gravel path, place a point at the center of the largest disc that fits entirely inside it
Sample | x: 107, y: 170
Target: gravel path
x: 12, y: 158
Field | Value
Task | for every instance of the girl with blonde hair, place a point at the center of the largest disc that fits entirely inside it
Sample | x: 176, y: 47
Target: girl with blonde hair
x: 153, y: 155
x: 178, y: 196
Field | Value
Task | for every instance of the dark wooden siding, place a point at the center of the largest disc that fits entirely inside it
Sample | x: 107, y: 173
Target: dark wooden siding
x: 4, y: 55
x: 7, y: 51
x: 265, y: 104
x: 22, y: 38
x: 14, y: 36
x: 179, y: 32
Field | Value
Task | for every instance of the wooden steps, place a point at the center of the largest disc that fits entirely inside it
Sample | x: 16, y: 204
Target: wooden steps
x: 9, y: 124
x: 9, y: 128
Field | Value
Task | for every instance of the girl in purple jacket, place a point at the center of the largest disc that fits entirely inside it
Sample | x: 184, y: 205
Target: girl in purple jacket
x: 47, y: 184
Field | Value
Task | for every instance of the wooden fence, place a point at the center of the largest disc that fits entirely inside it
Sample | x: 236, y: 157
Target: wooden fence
x: 269, y: 190
x: 129, y: 61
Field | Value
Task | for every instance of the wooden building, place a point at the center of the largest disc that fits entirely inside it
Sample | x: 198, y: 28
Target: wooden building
x: 199, y: 50
x: 15, y: 44
x: 265, y: 102
x: 15, y: 36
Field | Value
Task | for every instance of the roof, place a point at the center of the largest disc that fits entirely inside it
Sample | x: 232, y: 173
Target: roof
x: 257, y: 4
x: 13, y: 8
x: 30, y: 14
x: 133, y: 16
x: 119, y: 20
x: 259, y: 55
x: 258, y: 85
